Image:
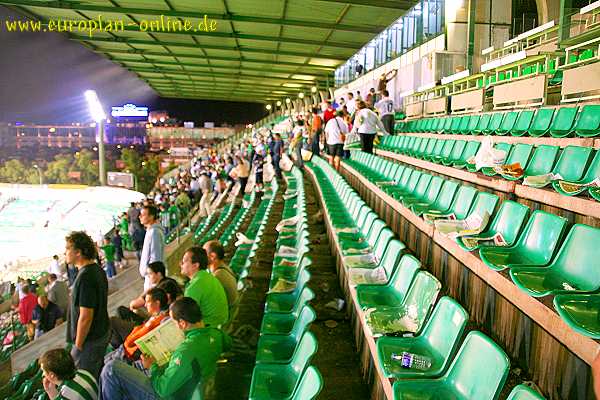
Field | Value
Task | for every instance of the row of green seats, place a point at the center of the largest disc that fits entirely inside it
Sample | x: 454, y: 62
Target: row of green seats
x: 238, y: 219
x: 448, y: 376
x: 242, y: 259
x: 529, y: 70
x: 577, y: 166
x: 226, y: 213
x: 541, y: 259
x: 286, y: 345
x: 557, y: 122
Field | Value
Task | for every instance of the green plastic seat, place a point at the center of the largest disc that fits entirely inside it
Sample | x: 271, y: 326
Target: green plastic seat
x: 542, y: 161
x: 592, y: 172
x: 405, y: 188
x: 508, y: 123
x: 377, y: 252
x: 572, y: 162
x: 446, y: 151
x: 461, y: 204
x: 428, y: 197
x: 523, y: 123
x: 279, y: 381
x: 390, y: 257
x: 446, y: 128
x: 520, y: 154
x: 489, y: 171
x: 588, y: 122
x: 522, y: 392
x: 541, y: 122
x: 457, y: 151
x: 283, y: 323
x: 463, y: 125
x: 310, y: 385
x: 478, y: 372
x: 442, y: 202
x: 274, y: 348
x: 439, y: 340
x: 581, y: 312
x: 437, y: 150
x: 495, y: 123
x: 482, y: 126
x: 574, y: 269
x: 469, y: 151
x: 535, y: 246
x: 508, y: 222
x: 419, y: 190
x: 395, y: 290
x: 562, y: 125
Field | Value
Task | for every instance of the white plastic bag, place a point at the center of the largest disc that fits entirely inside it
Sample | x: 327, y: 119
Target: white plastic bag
x: 488, y: 156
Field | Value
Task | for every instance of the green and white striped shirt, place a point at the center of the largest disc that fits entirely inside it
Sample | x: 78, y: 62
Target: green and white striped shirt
x: 82, y: 387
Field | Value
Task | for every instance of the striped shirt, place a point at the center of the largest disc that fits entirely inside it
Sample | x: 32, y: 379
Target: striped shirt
x: 82, y: 387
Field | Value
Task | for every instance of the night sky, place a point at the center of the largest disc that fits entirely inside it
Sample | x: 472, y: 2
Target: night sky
x: 43, y: 77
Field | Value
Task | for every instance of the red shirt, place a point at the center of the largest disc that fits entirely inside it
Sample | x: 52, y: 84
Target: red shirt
x: 26, y: 306
x: 328, y: 114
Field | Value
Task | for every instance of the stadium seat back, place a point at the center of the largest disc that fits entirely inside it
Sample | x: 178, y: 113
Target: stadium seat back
x: 463, y: 201
x: 482, y: 126
x: 572, y: 162
x: 404, y: 274
x: 563, y: 122
x: 522, y: 392
x: 445, y: 327
x: 422, y: 295
x: 391, y: 255
x: 541, y: 236
x: 520, y: 154
x: 484, y: 202
x: 541, y: 122
x: 523, y: 123
x: 473, y: 122
x: 495, y: 123
x: 310, y: 384
x: 457, y: 150
x: 542, y: 161
x: 588, y: 122
x: 508, y: 123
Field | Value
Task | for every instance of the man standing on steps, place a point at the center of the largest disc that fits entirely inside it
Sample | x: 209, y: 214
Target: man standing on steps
x: 154, y: 242
x: 385, y: 107
x: 88, y: 325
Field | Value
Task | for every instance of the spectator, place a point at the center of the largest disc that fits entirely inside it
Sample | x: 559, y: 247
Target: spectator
x: 241, y: 172
x: 172, y: 288
x: 154, y: 242
x: 384, y: 79
x: 204, y: 288
x: 55, y: 268
x: 133, y: 217
x: 46, y: 315
x: 258, y: 164
x: 316, y: 130
x: 329, y: 112
x: 276, y: 154
x: 366, y: 123
x: 217, y: 266
x: 351, y: 103
x: 88, y: 323
x: 61, y: 379
x: 156, y: 273
x: 109, y: 257
x: 26, y: 306
x: 385, y: 107
x: 299, y: 134
x: 370, y: 100
x: 118, y: 244
x: 191, y: 365
x: 71, y: 273
x: 157, y: 305
x: 58, y: 293
x: 335, y: 134
x: 206, y: 188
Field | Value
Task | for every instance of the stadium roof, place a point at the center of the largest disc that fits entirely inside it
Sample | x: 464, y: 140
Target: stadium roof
x: 261, y: 50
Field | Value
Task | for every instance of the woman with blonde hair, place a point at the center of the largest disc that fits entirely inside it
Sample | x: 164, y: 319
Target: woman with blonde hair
x: 366, y: 123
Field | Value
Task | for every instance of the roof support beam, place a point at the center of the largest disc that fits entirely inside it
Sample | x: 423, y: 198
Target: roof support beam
x: 208, y: 47
x: 216, y: 58
x: 212, y: 66
x: 218, y: 74
x: 71, y: 5
x: 150, y: 81
x: 224, y: 87
x: 403, y: 5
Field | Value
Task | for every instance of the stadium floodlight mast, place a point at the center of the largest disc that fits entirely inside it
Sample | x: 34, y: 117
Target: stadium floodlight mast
x: 39, y: 173
x: 98, y: 115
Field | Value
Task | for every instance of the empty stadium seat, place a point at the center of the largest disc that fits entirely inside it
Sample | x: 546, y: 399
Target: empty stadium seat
x: 469, y: 151
x: 523, y: 123
x: 433, y: 190
x: 457, y: 151
x: 508, y: 123
x: 562, y: 125
x: 310, y: 385
x: 541, y: 122
x: 588, y: 122
x: 283, y: 323
x: 438, y: 341
x: 461, y: 203
x: 542, y: 161
x: 442, y: 202
x: 279, y: 381
x: 279, y: 349
x: 522, y: 392
x: 478, y: 371
x: 395, y: 290
x: 574, y: 269
x: 581, y: 312
x: 508, y: 222
x: 535, y: 245
x: 592, y: 172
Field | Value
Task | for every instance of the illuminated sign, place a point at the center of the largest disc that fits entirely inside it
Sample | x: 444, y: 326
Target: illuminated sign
x: 129, y: 110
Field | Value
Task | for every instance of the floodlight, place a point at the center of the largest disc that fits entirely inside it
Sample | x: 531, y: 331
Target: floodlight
x: 301, y: 95
x: 94, y: 105
x: 268, y: 107
x: 313, y: 89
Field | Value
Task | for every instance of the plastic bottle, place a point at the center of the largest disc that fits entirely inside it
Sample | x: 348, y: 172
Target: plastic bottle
x: 412, y: 361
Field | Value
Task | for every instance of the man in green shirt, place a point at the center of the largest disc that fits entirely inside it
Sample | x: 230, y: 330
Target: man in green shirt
x: 192, y: 363
x: 204, y: 287
x: 109, y: 257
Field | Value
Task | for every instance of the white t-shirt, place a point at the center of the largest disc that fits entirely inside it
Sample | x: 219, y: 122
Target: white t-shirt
x: 385, y: 106
x: 351, y: 106
x: 333, y: 130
